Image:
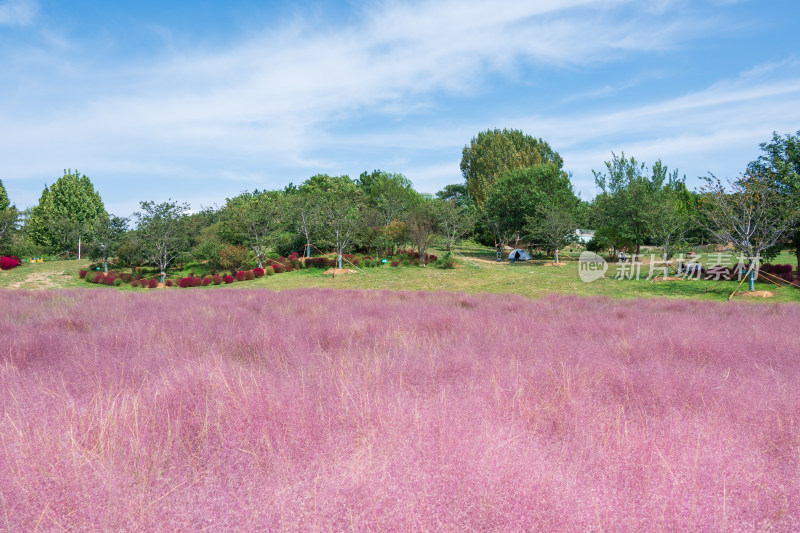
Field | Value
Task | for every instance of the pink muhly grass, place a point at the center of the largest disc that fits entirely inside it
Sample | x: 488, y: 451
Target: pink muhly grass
x: 397, y: 411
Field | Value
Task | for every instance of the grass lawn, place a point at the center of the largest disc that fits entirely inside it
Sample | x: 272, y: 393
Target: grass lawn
x: 477, y: 272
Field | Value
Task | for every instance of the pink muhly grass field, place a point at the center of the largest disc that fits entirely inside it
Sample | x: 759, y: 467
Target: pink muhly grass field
x: 333, y: 410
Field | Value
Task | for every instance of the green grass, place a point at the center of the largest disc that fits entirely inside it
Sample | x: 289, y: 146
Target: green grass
x: 478, y: 272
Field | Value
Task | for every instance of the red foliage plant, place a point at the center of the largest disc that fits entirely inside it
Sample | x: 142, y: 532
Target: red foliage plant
x: 229, y: 279
x: 278, y: 268
x: 241, y: 276
x: 9, y: 262
x: 82, y: 274
x: 217, y: 279
x: 197, y: 281
x: 258, y: 272
x: 293, y: 256
x: 168, y: 283
x: 184, y: 283
x: 206, y: 281
x: 249, y: 275
x: 152, y: 284
x: 135, y: 283
x: 395, y: 263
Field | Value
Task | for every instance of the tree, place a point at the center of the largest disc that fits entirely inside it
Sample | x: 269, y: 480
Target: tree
x: 258, y: 217
x: 9, y: 217
x: 781, y: 161
x: 66, y: 210
x: 553, y: 227
x: 494, y: 152
x: 422, y: 225
x: 454, y: 220
x: 338, y: 202
x: 390, y: 194
x: 753, y: 216
x: 108, y: 235
x: 521, y: 192
x: 629, y: 201
x: 456, y: 193
x: 162, y: 236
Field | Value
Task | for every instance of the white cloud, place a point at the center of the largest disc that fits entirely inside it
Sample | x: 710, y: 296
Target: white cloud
x: 18, y: 12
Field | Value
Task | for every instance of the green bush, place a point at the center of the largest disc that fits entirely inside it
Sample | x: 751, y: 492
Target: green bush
x: 446, y: 261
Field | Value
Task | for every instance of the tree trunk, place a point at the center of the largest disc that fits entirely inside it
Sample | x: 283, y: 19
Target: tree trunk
x: 79, y: 248
x: 340, y: 261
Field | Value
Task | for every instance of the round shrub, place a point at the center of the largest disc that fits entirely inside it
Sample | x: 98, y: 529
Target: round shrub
x: 217, y: 279
x: 293, y: 256
x: 269, y: 271
x: 249, y: 275
x: 241, y: 276
x: 82, y: 274
x: 206, y: 281
x: 229, y: 279
x: 184, y: 283
x: 135, y: 283
x: 118, y: 282
x: 152, y: 284
x: 355, y: 262
x: 395, y: 263
x: 333, y: 263
x: 258, y: 272
x: 127, y: 278
x: 168, y: 283
x: 278, y: 268
x: 9, y: 262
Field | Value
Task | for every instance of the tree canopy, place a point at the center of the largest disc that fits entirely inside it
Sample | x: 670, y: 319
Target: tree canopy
x: 493, y: 152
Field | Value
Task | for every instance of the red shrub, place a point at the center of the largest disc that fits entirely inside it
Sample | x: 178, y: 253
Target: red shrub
x: 333, y: 263
x: 206, y: 281
x: 293, y: 256
x: 249, y: 275
x: 355, y: 262
x: 241, y: 276
x: 278, y: 268
x: 7, y: 263
x: 185, y: 282
x: 258, y: 272
x: 82, y: 274
x: 395, y: 263
x: 229, y: 279
x: 168, y: 283
x: 217, y: 279
x: 135, y: 283
x: 152, y: 284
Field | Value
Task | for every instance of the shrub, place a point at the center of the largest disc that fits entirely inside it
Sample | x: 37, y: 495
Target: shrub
x: 82, y: 274
x: 217, y: 279
x: 152, y: 284
x: 168, y: 283
x: 9, y: 262
x: 395, y: 264
x: 294, y: 256
x: 233, y: 257
x: 118, y: 282
x: 229, y: 279
x: 269, y: 271
x: 197, y: 281
x: 99, y: 277
x: 432, y: 258
x: 241, y: 276
x: 184, y: 283
x: 127, y: 278
x: 135, y: 283
x: 206, y: 281
x: 278, y: 268
x: 258, y: 272
x: 448, y: 261
x: 333, y: 263
x: 296, y: 265
x: 355, y: 262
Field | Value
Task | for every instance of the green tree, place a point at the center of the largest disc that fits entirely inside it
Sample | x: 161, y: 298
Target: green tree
x: 454, y: 220
x: 5, y: 203
x: 781, y: 161
x: 258, y: 217
x: 629, y: 200
x: 163, y: 237
x: 553, y: 227
x: 108, y: 234
x: 9, y: 218
x: 66, y: 210
x: 456, y: 193
x: 338, y: 202
x: 494, y: 152
x: 520, y: 192
x: 423, y: 225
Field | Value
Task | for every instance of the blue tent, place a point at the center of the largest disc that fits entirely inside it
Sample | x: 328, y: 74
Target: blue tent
x: 518, y: 254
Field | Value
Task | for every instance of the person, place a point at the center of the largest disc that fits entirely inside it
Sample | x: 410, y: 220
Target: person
x: 499, y: 252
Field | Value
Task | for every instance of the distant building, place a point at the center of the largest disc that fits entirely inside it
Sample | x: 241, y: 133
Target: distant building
x: 584, y: 235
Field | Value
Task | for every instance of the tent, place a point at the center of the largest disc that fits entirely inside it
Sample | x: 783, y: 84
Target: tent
x: 518, y: 254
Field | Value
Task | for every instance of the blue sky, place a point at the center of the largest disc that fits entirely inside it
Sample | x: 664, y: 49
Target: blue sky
x: 198, y: 101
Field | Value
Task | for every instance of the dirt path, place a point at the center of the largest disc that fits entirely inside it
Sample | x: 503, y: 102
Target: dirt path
x: 38, y: 281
